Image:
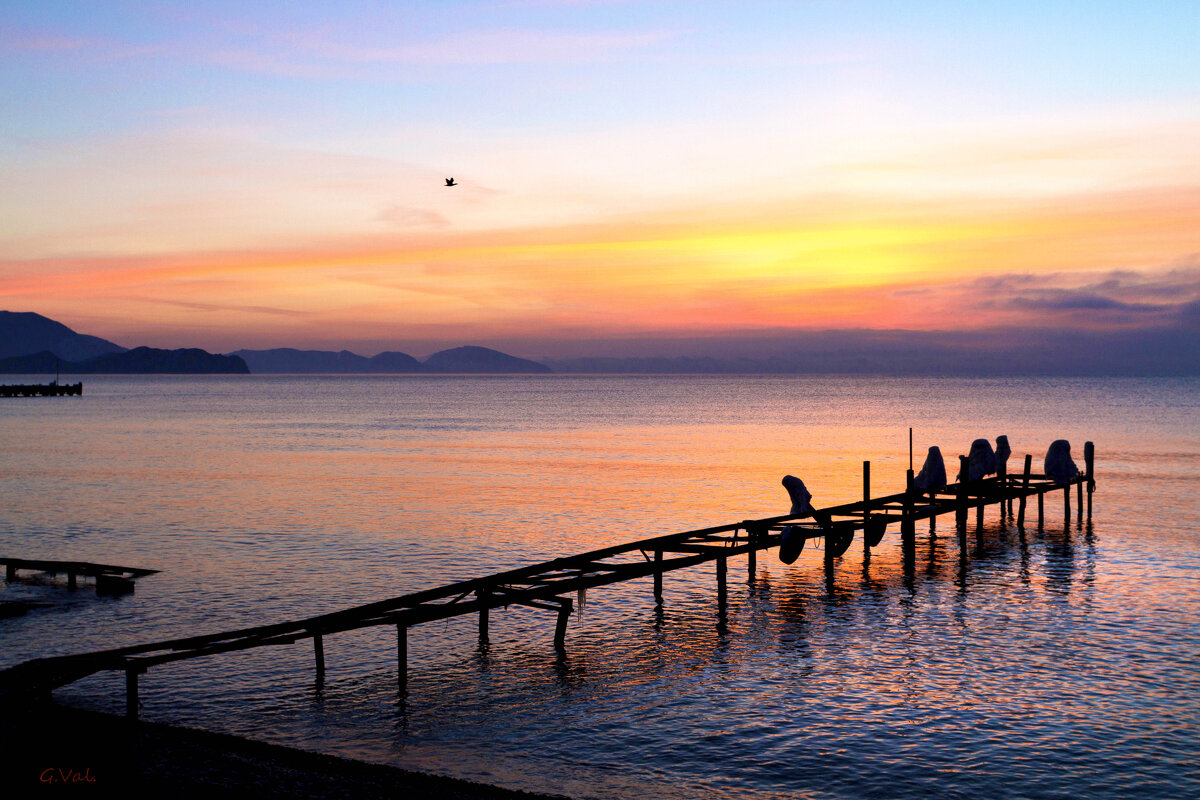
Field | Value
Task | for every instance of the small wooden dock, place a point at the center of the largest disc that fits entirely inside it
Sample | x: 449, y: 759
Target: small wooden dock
x: 54, y: 389
x: 109, y: 579
x: 556, y: 585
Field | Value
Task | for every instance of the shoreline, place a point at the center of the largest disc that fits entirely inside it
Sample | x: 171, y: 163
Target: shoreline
x: 53, y: 748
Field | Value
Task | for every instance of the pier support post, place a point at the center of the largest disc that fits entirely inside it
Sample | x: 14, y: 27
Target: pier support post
x: 1002, y: 483
x: 483, y: 595
x: 1067, y: 503
x: 319, y: 655
x: 1041, y: 508
x: 402, y: 656
x: 1089, y: 461
x: 753, y: 536
x: 1024, y: 488
x: 71, y: 580
x: 10, y: 572
x: 866, y: 505
x: 131, y: 691
x: 560, y: 629
x: 960, y: 512
x: 721, y: 594
x: 908, y: 527
x: 658, y: 557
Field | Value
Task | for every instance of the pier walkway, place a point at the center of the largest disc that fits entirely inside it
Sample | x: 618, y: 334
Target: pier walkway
x: 554, y: 585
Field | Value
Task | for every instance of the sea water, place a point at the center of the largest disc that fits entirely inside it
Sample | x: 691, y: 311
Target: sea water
x: 1058, y: 661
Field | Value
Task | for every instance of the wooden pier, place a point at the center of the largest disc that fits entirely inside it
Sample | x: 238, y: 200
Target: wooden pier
x: 109, y: 579
x: 54, y: 389
x: 554, y: 585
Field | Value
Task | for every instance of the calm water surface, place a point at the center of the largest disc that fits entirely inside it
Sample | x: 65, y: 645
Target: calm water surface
x: 1061, y: 662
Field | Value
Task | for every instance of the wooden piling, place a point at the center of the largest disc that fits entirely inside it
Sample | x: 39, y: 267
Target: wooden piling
x: 131, y: 691
x: 658, y: 557
x: 1041, y: 509
x: 721, y: 592
x: 960, y: 513
x: 1002, y: 482
x: 751, y: 558
x: 483, y: 595
x: 1024, y: 489
x: 1079, y: 501
x: 1067, y: 503
x: 1089, y: 461
x: 319, y: 655
x: 10, y: 572
x: 71, y: 580
x: 908, y: 526
x: 402, y: 656
x: 866, y: 504
x: 560, y: 629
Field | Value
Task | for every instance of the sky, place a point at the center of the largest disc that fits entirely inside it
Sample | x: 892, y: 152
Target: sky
x: 255, y: 175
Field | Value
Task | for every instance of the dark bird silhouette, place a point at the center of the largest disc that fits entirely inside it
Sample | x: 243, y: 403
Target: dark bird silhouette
x: 450, y: 182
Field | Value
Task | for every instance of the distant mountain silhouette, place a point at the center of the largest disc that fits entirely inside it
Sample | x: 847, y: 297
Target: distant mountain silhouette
x: 26, y: 333
x: 460, y: 359
x: 393, y: 361
x: 286, y: 360
x: 139, y: 361
x: 481, y: 360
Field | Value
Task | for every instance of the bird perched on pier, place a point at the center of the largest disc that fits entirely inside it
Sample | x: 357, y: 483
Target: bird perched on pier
x: 450, y: 182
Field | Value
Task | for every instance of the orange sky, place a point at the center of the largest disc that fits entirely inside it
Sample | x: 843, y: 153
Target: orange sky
x: 824, y: 263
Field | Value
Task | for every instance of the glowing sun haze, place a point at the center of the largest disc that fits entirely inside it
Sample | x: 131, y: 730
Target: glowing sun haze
x: 228, y: 175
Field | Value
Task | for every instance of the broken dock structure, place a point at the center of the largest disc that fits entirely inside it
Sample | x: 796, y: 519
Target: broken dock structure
x: 109, y: 579
x: 54, y: 389
x: 557, y: 585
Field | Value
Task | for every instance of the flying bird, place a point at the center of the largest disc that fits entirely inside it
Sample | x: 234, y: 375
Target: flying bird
x: 450, y: 182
